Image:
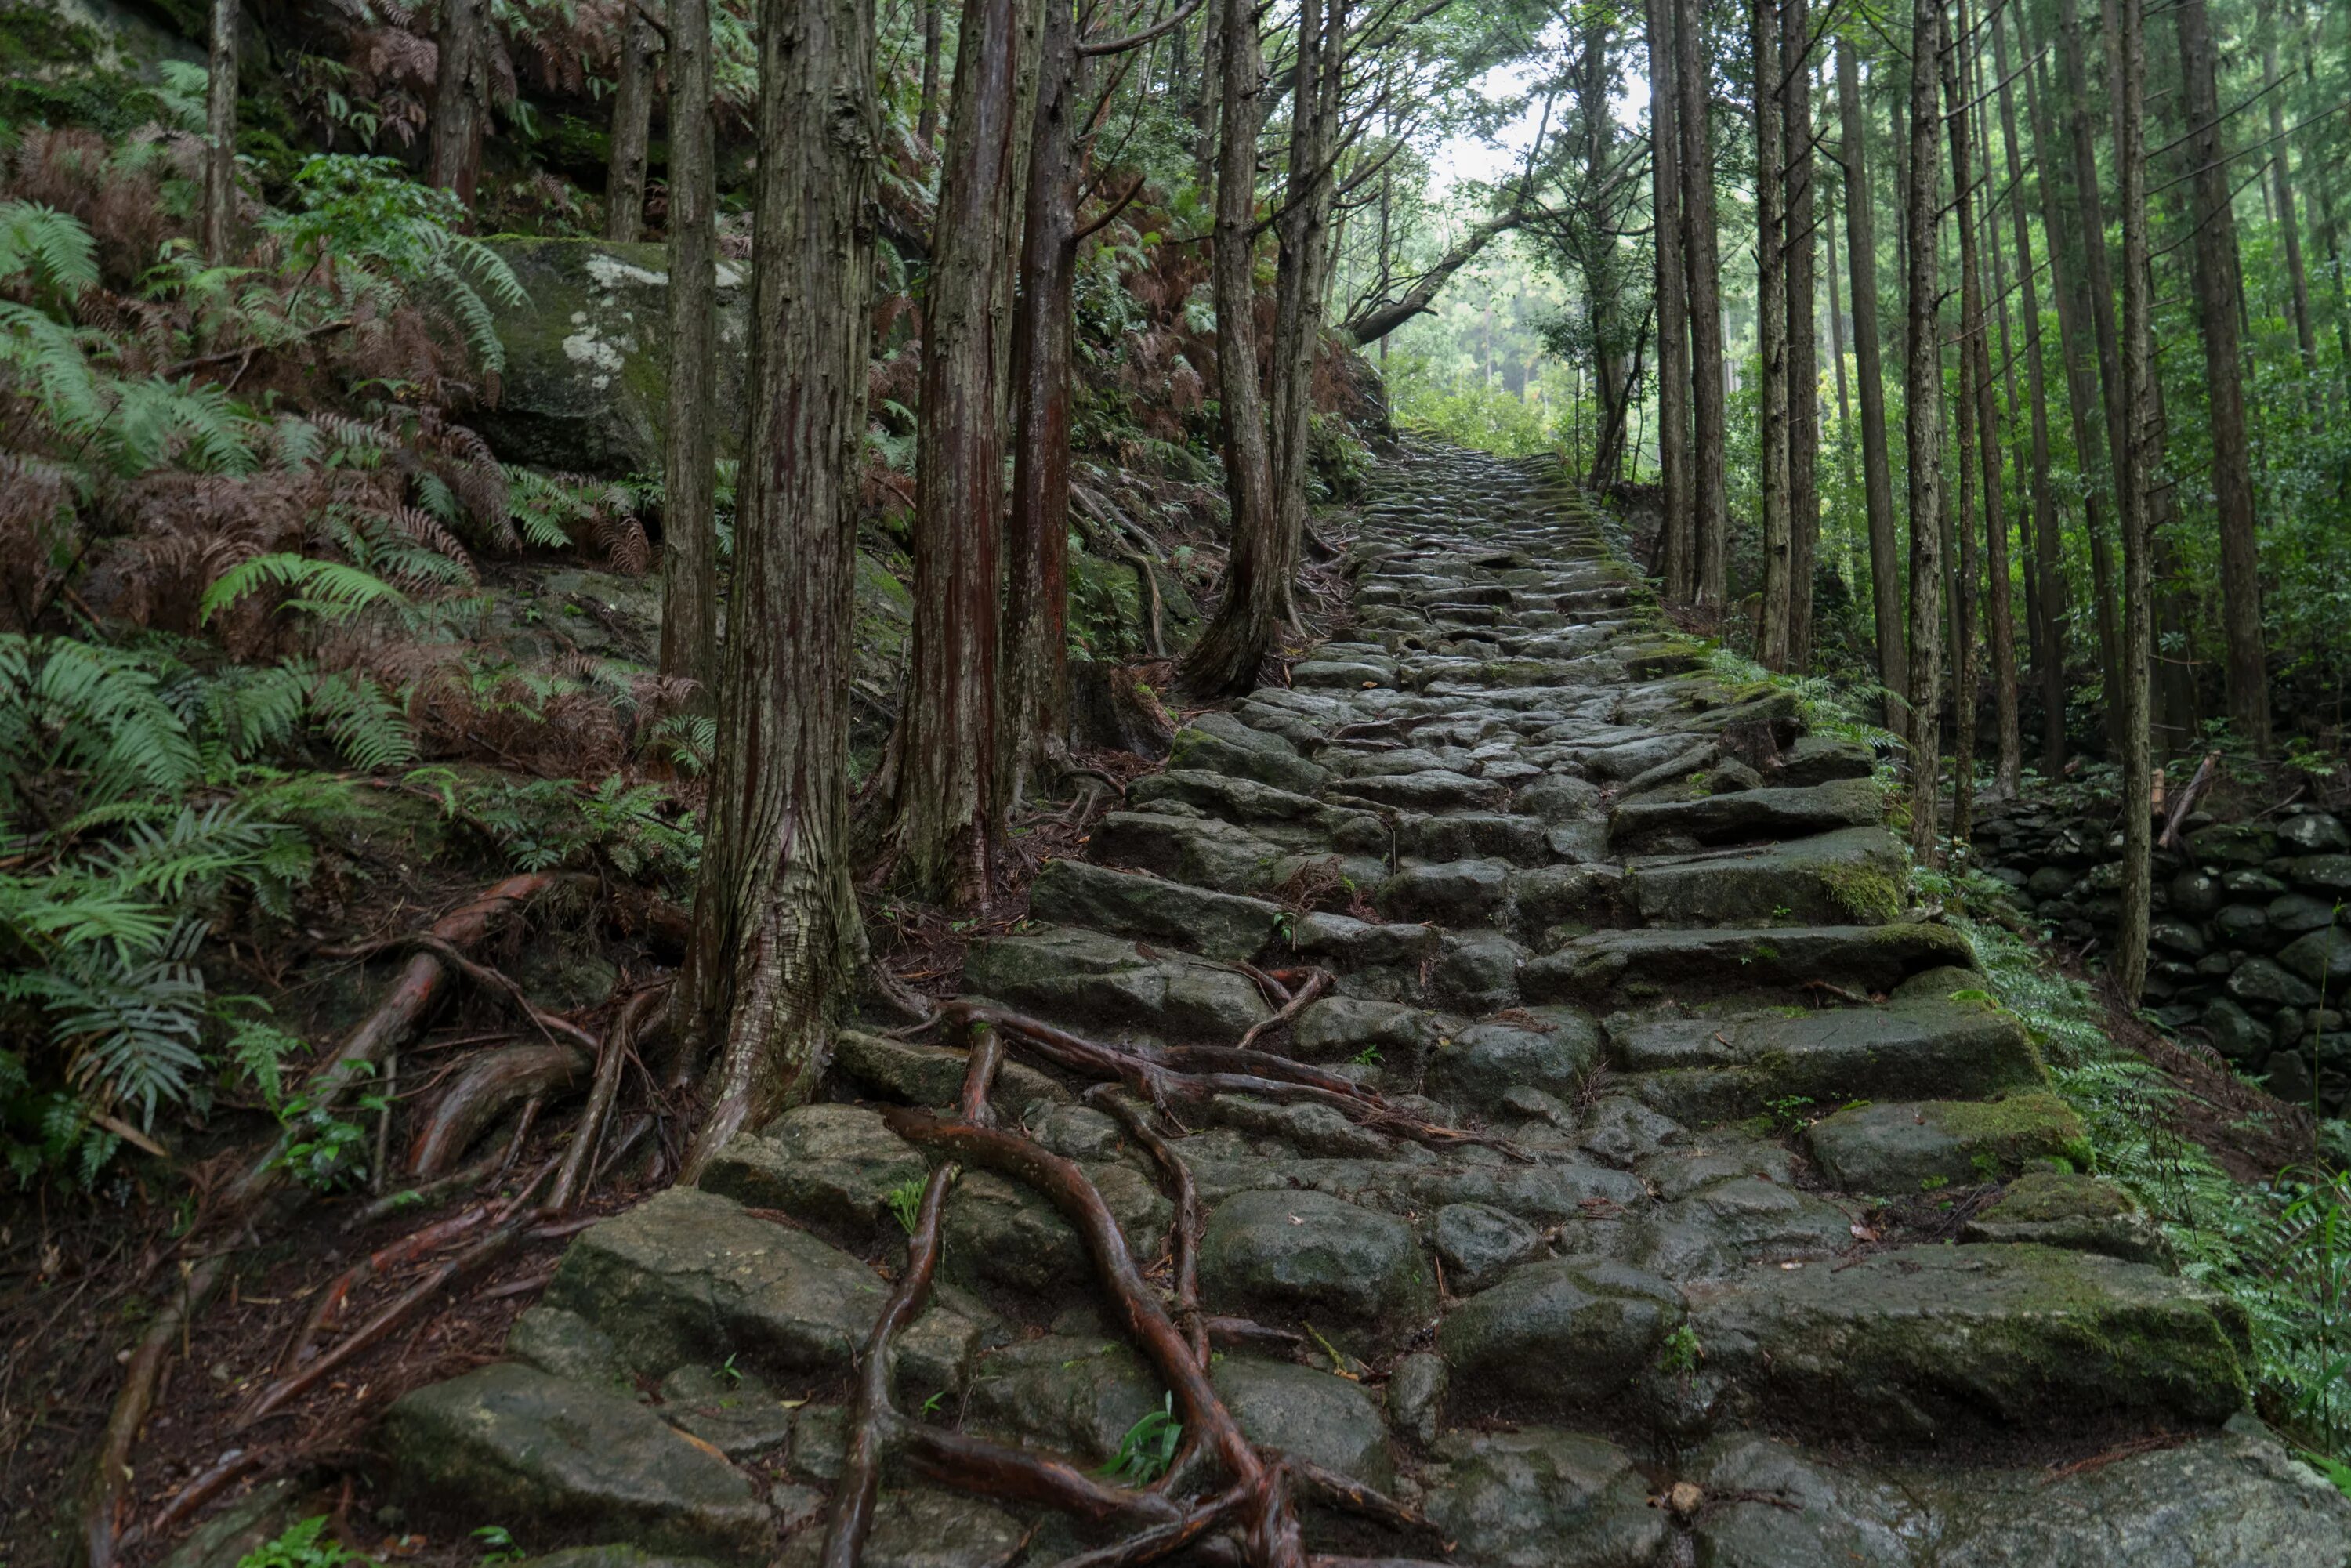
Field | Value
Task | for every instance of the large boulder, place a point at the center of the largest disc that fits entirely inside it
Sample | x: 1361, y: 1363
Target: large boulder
x: 586, y: 384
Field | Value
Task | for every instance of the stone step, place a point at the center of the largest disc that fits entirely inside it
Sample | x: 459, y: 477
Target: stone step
x: 1749, y: 815
x: 1629, y: 967
x: 1722, y: 1069
x: 1113, y: 985
x: 1853, y: 875
x: 1922, y: 1344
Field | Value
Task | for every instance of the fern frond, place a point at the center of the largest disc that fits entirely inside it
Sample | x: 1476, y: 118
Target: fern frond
x: 50, y: 249
x: 330, y: 589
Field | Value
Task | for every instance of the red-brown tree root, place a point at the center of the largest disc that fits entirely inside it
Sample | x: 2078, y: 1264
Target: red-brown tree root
x: 619, y: 1044
x: 860, y: 1470
x: 415, y: 993
x: 1195, y: 1074
x: 1268, y: 1525
x: 485, y: 1091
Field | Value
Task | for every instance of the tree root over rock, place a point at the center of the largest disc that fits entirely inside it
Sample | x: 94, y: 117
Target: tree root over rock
x: 1253, y: 1521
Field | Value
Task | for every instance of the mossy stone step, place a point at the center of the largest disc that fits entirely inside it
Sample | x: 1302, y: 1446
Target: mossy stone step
x: 1631, y: 968
x: 1749, y: 815
x: 1927, y: 1342
x: 1092, y: 981
x: 1892, y: 1147
x: 1221, y: 925
x: 1854, y: 875
x: 1699, y: 1070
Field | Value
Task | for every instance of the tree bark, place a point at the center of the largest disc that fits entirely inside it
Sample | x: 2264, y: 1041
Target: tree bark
x: 461, y: 97
x: 689, y: 645
x: 218, y: 224
x: 777, y: 928
x: 1303, y: 239
x: 2068, y: 282
x: 632, y: 121
x: 1256, y: 573
x: 1999, y: 613
x: 943, y: 807
x: 1708, y: 454
x: 1869, y: 385
x: 1923, y: 422
x: 1034, y: 653
x: 2127, y: 57
x: 1771, y: 326
x: 1804, y: 376
x: 1975, y: 373
x: 926, y: 117
x: 1678, y: 547
x: 2305, y: 331
x: 2218, y: 292
x: 2090, y: 227
x: 2055, y: 615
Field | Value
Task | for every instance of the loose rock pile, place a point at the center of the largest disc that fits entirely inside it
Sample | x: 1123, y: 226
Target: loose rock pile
x: 1633, y: 931
x: 2250, y: 946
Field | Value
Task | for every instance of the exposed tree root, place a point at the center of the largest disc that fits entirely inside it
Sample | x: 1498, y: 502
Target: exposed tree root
x: 1195, y: 1074
x: 510, y: 1223
x: 1269, y: 1526
x: 620, y: 1043
x: 485, y: 1091
x: 414, y: 992
x: 1317, y: 982
x: 1183, y: 1232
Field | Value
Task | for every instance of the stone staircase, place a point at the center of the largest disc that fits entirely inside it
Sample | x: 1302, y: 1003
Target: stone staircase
x: 1715, y: 1302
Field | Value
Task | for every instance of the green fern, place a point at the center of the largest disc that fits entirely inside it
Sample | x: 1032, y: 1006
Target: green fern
x: 51, y: 253
x: 327, y: 588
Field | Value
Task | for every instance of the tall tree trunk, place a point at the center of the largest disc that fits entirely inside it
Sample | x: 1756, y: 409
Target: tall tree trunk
x: 1035, y: 654
x: 2061, y: 215
x: 1772, y: 325
x: 633, y: 122
x: 2217, y: 289
x: 927, y: 116
x: 1923, y: 410
x: 689, y: 643
x: 2091, y: 225
x: 1708, y: 454
x: 776, y: 931
x: 2000, y: 616
x: 943, y: 774
x: 1869, y: 383
x: 1678, y: 547
x: 1256, y: 573
x: 2056, y: 616
x: 2305, y: 332
x: 1836, y: 323
x: 218, y: 225
x: 461, y: 97
x: 1975, y: 428
x: 1302, y: 236
x: 2127, y: 56
x: 1207, y: 113
x: 1804, y: 332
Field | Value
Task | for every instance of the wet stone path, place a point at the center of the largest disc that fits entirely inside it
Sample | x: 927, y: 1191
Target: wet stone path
x: 1630, y: 926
